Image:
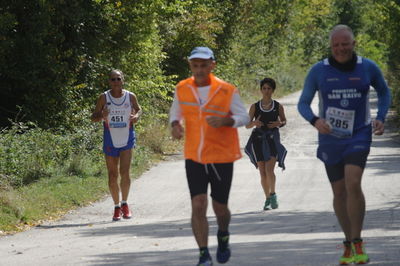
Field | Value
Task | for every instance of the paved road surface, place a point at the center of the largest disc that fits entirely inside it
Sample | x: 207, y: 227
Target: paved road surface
x: 303, y: 231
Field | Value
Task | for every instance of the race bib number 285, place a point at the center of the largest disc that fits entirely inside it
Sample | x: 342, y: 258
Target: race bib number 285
x: 341, y: 121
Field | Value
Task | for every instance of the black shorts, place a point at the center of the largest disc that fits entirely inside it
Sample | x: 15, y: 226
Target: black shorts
x: 219, y: 175
x: 336, y: 171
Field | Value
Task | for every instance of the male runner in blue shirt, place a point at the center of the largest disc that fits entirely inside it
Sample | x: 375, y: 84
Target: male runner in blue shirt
x: 345, y: 129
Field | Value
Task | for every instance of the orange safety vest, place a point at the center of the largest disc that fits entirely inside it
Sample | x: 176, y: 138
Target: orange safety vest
x: 203, y: 143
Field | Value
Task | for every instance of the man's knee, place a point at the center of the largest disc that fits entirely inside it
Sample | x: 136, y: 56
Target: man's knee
x: 353, y: 184
x: 199, y: 203
x: 339, y: 190
x: 340, y: 195
x: 112, y: 176
x: 222, y: 212
x: 354, y: 189
x: 220, y: 209
x: 124, y: 173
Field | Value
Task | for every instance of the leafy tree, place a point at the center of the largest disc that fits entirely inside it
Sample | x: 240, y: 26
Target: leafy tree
x: 55, y: 55
x: 40, y: 69
x: 349, y: 13
x: 381, y: 23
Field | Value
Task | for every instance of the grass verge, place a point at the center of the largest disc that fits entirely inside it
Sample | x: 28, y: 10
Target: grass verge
x: 78, y: 183
x: 47, y: 199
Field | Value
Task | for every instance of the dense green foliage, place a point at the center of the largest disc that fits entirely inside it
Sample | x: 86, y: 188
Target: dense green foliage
x: 381, y: 31
x: 55, y: 57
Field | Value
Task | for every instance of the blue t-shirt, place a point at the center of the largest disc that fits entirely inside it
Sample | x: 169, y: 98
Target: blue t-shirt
x: 344, y: 99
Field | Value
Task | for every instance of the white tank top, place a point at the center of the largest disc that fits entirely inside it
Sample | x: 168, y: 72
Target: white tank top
x: 118, y: 118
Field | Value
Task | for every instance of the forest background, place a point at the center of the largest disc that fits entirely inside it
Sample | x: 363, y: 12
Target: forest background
x: 55, y: 57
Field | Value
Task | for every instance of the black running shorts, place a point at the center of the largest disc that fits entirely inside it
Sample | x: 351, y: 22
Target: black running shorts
x: 336, y: 171
x: 219, y: 175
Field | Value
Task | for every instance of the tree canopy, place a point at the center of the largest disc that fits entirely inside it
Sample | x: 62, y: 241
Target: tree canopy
x: 55, y: 55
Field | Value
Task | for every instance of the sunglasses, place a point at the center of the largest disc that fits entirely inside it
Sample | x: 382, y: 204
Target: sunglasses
x: 114, y: 79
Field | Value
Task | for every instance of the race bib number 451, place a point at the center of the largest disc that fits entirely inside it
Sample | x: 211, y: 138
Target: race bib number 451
x: 117, y: 121
x: 341, y: 121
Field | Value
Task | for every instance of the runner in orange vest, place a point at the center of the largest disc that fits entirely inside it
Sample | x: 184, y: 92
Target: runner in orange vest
x: 212, y: 110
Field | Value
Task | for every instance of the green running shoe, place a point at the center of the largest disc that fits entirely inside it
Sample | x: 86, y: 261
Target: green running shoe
x: 205, y: 259
x: 359, y: 255
x: 223, y: 251
x: 347, y: 257
x: 267, y: 203
x: 274, y: 201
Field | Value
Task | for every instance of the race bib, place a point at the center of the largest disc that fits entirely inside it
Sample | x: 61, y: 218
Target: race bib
x: 341, y: 121
x: 117, y: 119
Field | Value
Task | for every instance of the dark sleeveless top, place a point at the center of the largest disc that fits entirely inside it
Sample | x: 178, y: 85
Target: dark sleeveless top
x: 266, y: 115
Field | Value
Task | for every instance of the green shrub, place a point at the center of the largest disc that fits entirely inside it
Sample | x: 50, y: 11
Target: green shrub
x: 28, y: 153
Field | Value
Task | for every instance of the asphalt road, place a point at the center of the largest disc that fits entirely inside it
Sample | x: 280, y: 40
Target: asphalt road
x: 302, y: 231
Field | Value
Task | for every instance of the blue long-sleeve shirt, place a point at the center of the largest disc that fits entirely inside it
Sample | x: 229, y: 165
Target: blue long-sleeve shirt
x: 314, y: 82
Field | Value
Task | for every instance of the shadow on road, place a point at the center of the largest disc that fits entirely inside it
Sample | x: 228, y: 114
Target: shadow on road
x: 300, y: 252
x: 282, y: 238
x: 253, y: 223
x: 51, y: 226
x: 385, y: 164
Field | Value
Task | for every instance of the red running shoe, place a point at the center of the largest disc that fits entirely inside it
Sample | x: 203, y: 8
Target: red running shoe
x: 117, y: 214
x: 126, y: 213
